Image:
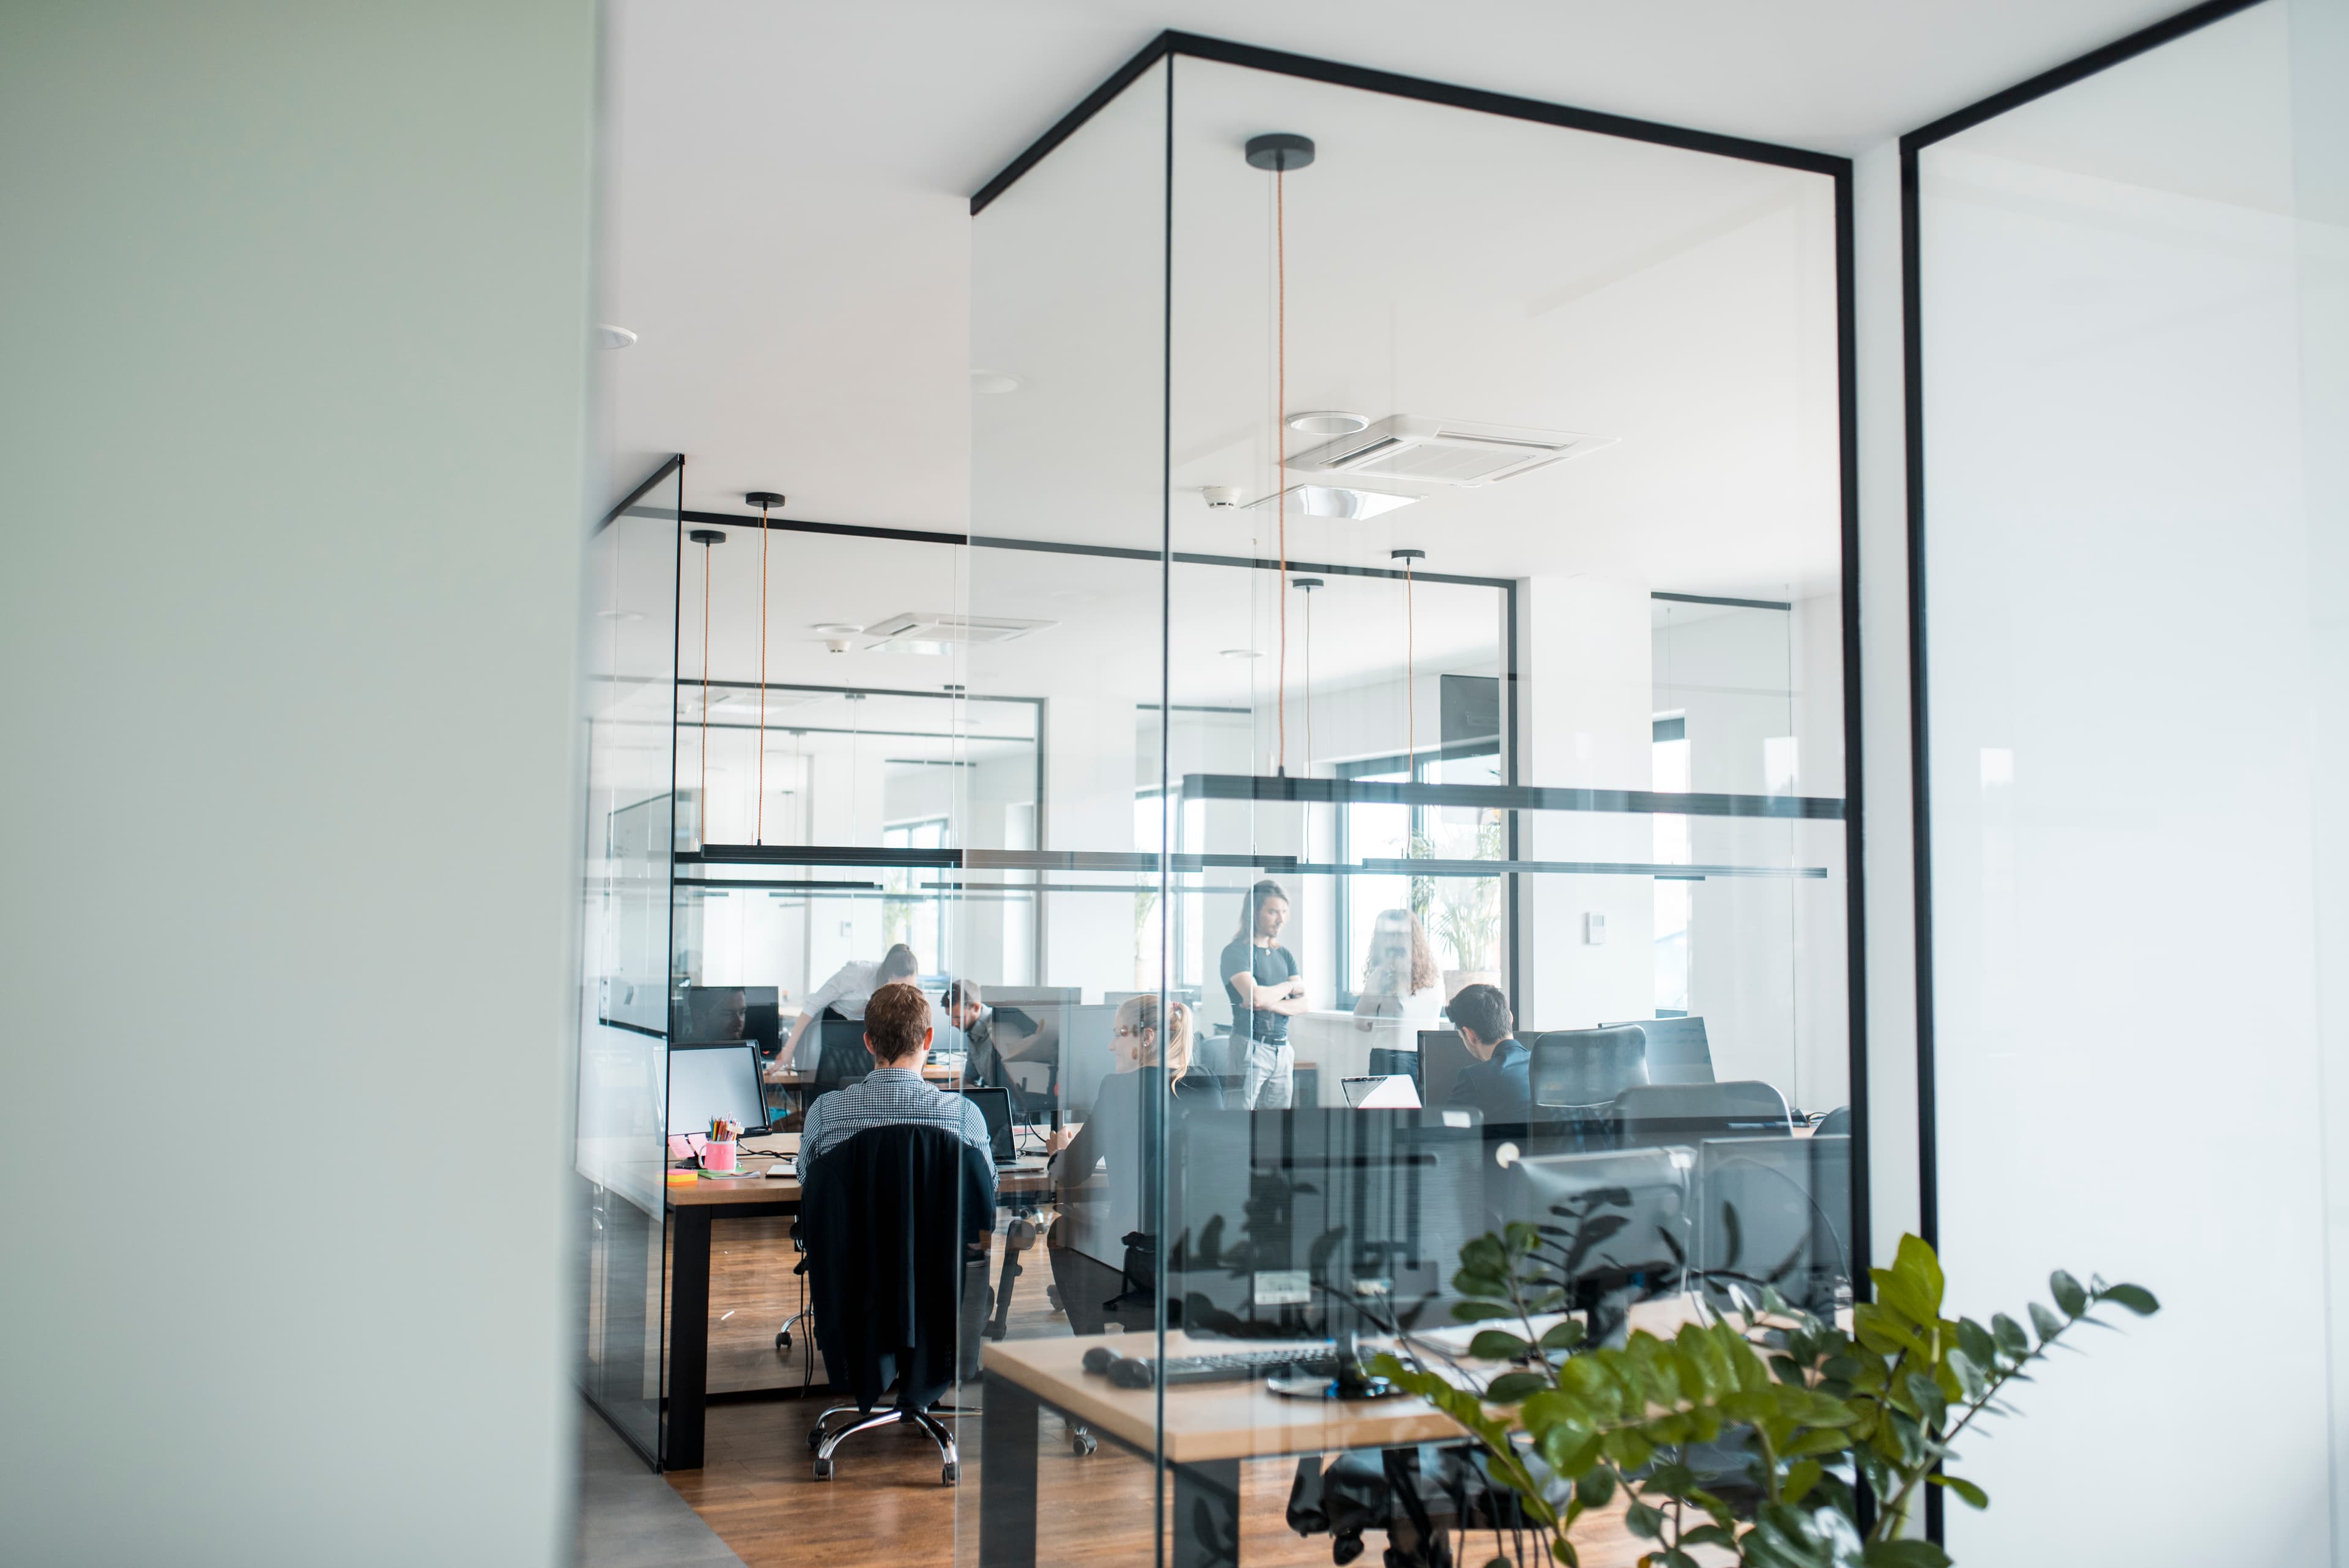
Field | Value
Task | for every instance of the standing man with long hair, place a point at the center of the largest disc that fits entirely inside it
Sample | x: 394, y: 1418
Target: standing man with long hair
x: 1261, y: 979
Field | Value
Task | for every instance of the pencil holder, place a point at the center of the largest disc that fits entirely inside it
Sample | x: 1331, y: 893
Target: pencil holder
x: 717, y: 1155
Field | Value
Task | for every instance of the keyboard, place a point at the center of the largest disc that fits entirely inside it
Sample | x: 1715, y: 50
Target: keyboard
x: 1243, y: 1365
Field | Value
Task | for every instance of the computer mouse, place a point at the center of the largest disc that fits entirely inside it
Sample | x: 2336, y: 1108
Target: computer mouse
x: 1098, y: 1358
x: 1127, y: 1372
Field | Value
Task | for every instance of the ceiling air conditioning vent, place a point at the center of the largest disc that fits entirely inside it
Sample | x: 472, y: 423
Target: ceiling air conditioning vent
x: 908, y: 627
x: 1444, y: 451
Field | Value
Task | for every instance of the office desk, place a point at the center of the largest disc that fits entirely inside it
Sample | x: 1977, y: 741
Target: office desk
x: 691, y: 1210
x: 1210, y: 1428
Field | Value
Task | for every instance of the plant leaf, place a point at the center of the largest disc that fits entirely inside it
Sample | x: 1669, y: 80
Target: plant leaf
x: 1562, y: 1335
x: 2137, y: 1298
x: 1975, y: 1497
x: 2048, y: 1324
x: 1904, y: 1554
x: 2011, y: 1340
x: 1510, y: 1387
x: 2067, y: 1294
x: 1493, y: 1344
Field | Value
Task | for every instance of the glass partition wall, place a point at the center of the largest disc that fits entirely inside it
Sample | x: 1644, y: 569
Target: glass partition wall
x: 1425, y: 532
x: 629, y: 649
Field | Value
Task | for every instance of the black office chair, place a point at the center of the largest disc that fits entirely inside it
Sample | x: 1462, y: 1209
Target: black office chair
x: 892, y: 1317
x: 1680, y: 1113
x: 1586, y: 1069
x: 842, y: 1059
x: 1836, y: 1122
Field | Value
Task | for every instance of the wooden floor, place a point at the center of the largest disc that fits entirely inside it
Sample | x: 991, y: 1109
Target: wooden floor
x: 885, y: 1504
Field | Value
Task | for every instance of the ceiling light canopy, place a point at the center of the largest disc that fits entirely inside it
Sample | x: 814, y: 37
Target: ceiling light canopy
x: 1327, y: 422
x: 614, y: 337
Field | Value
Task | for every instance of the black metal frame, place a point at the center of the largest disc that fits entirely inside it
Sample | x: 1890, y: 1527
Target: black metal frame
x: 1912, y: 346
x: 1168, y: 45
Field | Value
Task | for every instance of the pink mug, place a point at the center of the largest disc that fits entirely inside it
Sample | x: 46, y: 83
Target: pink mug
x: 717, y: 1155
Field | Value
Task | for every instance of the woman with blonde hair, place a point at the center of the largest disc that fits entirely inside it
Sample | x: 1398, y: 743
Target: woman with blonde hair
x: 1087, y: 1243
x: 1399, y: 979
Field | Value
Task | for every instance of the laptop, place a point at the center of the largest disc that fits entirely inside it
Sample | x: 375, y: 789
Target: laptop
x: 995, y: 1105
x: 1383, y: 1092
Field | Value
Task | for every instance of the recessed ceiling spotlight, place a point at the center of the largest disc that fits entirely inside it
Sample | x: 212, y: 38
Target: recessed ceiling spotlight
x: 995, y: 383
x: 1327, y: 422
x: 614, y: 337
x: 1242, y: 653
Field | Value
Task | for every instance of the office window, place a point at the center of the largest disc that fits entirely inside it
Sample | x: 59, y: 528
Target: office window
x: 1463, y: 916
x: 909, y: 913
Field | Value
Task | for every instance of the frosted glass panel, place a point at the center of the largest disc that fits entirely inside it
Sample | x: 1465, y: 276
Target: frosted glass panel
x: 2124, y: 789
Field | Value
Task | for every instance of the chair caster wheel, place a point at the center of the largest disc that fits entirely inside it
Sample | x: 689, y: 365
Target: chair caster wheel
x: 949, y: 1473
x: 823, y: 1470
x: 1084, y: 1443
x: 816, y: 1439
x: 783, y: 1342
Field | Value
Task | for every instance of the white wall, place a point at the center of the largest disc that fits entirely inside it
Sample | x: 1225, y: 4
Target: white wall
x: 2124, y: 801
x: 293, y: 299
x: 1586, y: 711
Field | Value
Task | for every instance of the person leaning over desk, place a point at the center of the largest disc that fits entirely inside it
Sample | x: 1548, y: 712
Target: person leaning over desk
x: 971, y: 1025
x: 898, y: 1031
x: 1499, y: 1082
x: 1261, y: 979
x: 1095, y: 1221
x: 846, y: 992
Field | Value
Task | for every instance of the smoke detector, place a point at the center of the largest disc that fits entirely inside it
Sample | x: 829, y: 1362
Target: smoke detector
x: 1453, y: 453
x: 839, y: 636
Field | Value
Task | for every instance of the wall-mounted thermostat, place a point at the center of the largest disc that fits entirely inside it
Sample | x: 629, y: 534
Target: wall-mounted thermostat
x: 1594, y: 931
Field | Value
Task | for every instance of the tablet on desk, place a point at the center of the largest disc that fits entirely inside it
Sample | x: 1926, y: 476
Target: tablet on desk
x: 1388, y: 1092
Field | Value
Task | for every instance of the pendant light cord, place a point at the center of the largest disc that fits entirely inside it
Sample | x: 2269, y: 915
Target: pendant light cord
x: 759, y: 814
x: 1410, y: 678
x: 1279, y: 445
x: 702, y: 806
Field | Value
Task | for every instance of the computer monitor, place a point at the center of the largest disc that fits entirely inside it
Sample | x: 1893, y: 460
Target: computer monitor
x: 1388, y: 1060
x: 1440, y: 1057
x: 705, y: 1081
x: 1774, y: 1211
x: 1579, y: 1068
x: 1282, y: 1218
x: 1624, y: 1218
x: 708, y: 1014
x: 995, y: 1105
x: 1080, y: 1037
x: 1677, y: 1049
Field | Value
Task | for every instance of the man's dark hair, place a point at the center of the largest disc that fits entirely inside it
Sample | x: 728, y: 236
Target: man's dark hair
x: 896, y: 1016
x: 1263, y: 893
x: 964, y: 993
x: 1483, y: 1008
x: 899, y: 963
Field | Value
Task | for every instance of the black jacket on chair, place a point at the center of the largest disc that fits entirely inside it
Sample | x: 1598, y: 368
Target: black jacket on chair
x: 889, y: 1218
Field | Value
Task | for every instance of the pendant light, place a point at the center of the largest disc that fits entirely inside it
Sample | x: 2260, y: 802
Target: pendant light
x: 1306, y: 586
x: 1280, y: 151
x: 763, y: 500
x: 705, y: 537
x: 1410, y: 673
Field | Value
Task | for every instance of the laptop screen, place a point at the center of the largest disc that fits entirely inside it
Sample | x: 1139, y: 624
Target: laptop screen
x: 995, y: 1105
x: 1385, y: 1092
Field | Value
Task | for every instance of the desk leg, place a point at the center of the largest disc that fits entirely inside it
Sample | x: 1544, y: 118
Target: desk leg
x: 688, y: 1336
x: 1206, y: 1522
x: 1007, y: 1476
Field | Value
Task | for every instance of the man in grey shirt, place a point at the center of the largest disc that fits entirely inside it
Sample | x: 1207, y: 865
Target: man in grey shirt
x: 1261, y: 979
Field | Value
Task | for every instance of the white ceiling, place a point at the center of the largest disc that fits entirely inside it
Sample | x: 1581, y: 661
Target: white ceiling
x: 785, y: 218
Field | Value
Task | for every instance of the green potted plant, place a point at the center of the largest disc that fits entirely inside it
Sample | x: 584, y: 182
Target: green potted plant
x: 1823, y: 1416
